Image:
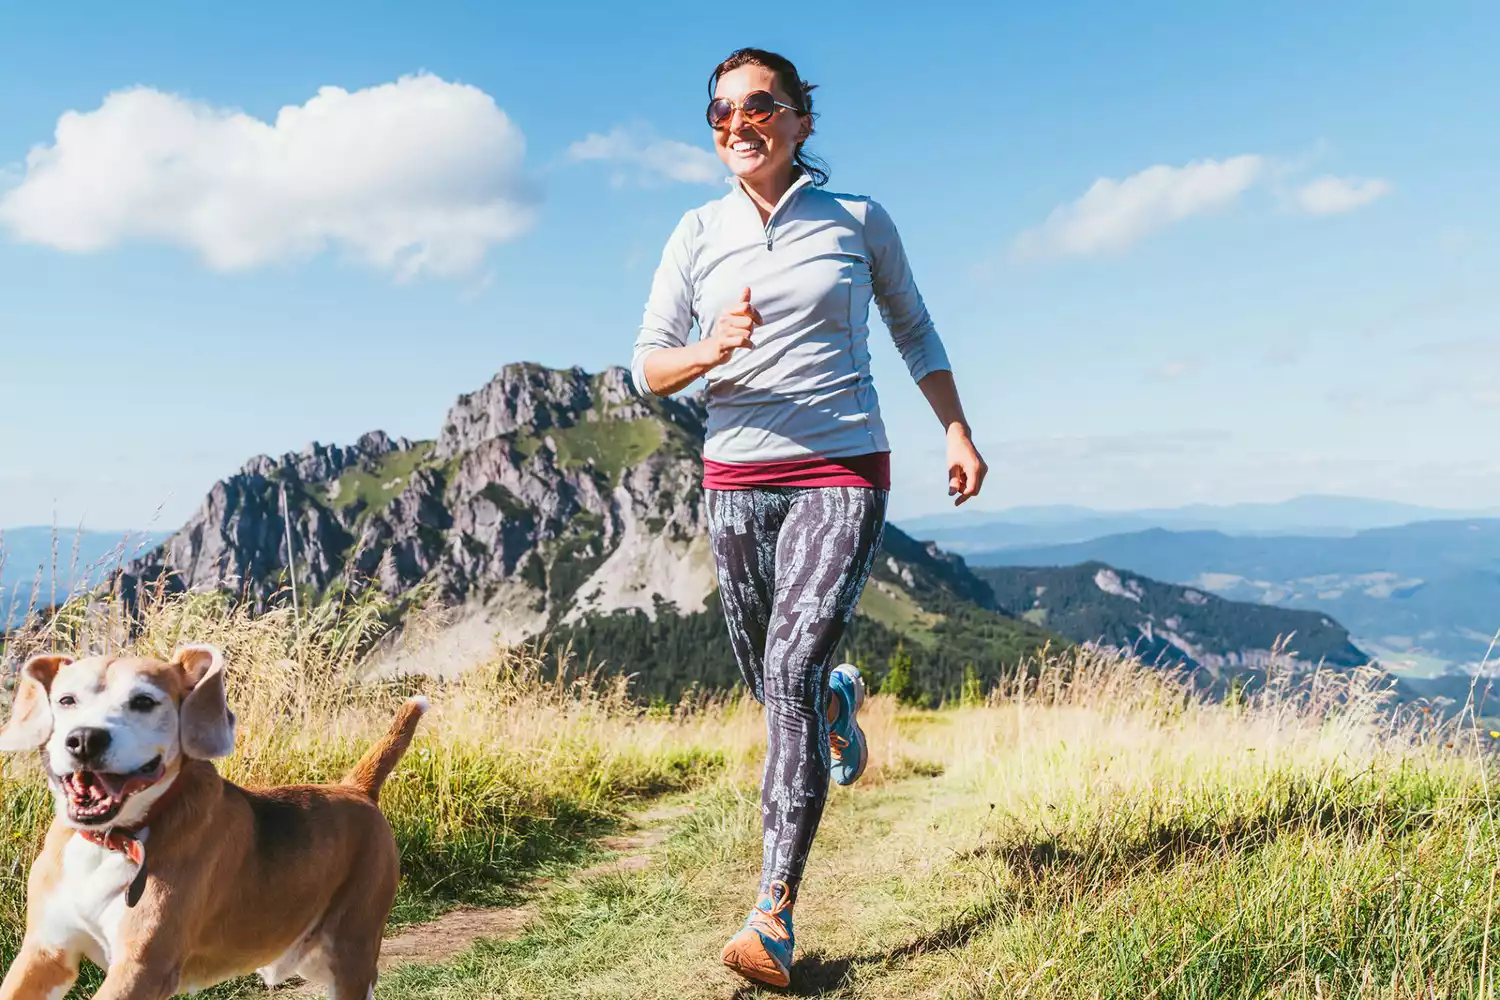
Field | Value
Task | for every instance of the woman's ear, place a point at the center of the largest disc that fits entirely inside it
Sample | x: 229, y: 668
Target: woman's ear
x: 206, y: 723
x: 30, y: 722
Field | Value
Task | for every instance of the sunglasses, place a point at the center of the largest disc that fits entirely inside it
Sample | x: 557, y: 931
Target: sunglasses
x: 757, y: 107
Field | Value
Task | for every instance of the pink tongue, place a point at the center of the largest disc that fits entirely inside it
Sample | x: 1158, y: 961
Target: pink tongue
x: 113, y: 784
x: 137, y: 782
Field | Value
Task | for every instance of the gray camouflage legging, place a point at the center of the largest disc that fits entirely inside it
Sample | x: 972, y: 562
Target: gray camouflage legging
x: 792, y: 562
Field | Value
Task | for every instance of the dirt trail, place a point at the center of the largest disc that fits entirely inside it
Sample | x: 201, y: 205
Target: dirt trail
x: 455, y: 932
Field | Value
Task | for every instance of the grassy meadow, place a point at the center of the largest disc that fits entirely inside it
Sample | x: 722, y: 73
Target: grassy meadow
x: 1096, y: 831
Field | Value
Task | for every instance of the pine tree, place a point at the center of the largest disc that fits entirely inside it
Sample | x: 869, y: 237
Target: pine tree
x: 971, y: 694
x: 898, y: 681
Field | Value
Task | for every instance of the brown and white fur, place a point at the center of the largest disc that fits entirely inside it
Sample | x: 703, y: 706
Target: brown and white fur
x: 285, y: 881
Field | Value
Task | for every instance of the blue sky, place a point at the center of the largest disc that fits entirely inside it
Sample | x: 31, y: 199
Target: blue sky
x: 1178, y: 253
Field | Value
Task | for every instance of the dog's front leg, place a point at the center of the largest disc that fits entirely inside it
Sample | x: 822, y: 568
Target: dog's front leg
x: 39, y: 973
x: 154, y: 940
x: 141, y: 977
x: 147, y: 964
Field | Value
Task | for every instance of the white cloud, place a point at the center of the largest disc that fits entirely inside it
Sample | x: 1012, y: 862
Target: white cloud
x: 416, y: 176
x: 1113, y: 215
x: 646, y: 159
x: 1330, y: 195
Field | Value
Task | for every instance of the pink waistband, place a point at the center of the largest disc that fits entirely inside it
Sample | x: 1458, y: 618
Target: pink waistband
x: 872, y: 471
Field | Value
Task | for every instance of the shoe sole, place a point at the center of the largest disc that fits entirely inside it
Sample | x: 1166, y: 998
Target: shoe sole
x: 746, y: 955
x: 859, y: 734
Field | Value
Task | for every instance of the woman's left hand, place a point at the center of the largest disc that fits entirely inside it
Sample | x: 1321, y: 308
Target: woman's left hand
x: 966, y: 469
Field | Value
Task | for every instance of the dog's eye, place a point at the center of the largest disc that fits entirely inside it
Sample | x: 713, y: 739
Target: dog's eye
x: 142, y: 703
x: 67, y: 701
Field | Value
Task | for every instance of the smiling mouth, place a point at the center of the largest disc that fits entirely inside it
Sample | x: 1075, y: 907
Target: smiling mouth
x: 745, y: 146
x: 98, y: 796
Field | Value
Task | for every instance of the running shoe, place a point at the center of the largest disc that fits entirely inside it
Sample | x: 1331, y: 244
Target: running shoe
x: 762, y: 950
x: 846, y: 740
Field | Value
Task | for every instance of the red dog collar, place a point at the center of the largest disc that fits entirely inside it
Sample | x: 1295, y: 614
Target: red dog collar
x: 131, y: 841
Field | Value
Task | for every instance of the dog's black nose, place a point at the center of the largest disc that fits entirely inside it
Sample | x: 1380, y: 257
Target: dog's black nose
x: 87, y: 744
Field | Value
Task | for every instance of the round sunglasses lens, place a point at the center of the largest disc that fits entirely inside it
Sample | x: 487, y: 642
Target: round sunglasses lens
x: 719, y: 112
x: 759, y: 107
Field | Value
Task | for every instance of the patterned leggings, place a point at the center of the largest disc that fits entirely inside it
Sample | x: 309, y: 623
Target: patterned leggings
x: 792, y: 562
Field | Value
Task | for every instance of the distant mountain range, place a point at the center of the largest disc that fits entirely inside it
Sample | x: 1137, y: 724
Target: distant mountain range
x: 1424, y: 597
x: 552, y: 503
x: 1163, y: 623
x: 1317, y: 516
x: 919, y: 600
x: 50, y: 563
x: 555, y: 505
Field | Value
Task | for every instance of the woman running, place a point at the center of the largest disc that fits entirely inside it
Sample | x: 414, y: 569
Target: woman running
x: 779, y: 275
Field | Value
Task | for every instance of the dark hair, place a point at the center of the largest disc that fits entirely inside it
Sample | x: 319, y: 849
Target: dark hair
x: 789, y: 80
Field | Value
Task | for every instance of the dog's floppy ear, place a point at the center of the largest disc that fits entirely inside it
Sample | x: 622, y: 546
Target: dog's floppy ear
x: 207, y: 724
x: 31, y: 713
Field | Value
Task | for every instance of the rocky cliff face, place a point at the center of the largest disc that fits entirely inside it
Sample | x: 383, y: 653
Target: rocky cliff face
x: 546, y: 495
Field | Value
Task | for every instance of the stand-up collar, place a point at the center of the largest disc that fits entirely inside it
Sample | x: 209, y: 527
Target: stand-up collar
x: 802, y: 180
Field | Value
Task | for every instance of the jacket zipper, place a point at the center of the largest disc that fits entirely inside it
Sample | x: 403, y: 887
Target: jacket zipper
x: 771, y: 219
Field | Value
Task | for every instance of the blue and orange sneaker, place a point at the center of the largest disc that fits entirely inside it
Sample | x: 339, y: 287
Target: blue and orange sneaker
x: 846, y: 741
x: 762, y: 950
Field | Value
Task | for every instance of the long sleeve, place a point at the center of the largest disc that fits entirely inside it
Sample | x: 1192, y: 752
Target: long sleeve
x: 669, y: 316
x: 899, y: 301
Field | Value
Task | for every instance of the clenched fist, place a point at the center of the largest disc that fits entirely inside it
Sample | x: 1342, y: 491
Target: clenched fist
x: 730, y: 333
x: 966, y: 469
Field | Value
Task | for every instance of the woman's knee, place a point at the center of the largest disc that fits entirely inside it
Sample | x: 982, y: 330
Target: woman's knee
x: 797, y: 693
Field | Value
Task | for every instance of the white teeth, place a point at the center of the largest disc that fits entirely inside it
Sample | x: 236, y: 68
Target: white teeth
x: 745, y: 147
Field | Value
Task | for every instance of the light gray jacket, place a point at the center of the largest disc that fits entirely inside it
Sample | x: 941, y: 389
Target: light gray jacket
x: 805, y: 389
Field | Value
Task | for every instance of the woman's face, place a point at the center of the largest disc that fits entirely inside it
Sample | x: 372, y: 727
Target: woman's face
x: 756, y: 152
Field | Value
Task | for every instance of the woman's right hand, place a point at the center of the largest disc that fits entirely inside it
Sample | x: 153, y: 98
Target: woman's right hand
x: 668, y: 370
x: 731, y: 333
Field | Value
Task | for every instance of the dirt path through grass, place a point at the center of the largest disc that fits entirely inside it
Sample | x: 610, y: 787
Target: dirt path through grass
x: 1067, y: 851
x: 457, y: 931
x: 649, y: 922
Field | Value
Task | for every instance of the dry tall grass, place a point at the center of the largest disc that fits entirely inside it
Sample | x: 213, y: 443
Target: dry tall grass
x: 1096, y: 831
x: 1113, y: 835
x: 1100, y: 831
x: 509, y: 774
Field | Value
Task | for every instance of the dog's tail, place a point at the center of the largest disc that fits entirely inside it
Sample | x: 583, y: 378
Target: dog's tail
x: 381, y: 759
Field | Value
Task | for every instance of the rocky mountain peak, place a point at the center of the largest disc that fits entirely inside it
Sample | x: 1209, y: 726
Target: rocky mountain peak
x: 529, y: 399
x: 319, y: 463
x: 549, y: 499
x: 548, y: 493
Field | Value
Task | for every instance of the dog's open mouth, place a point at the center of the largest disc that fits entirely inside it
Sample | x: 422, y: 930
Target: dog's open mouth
x: 98, y: 796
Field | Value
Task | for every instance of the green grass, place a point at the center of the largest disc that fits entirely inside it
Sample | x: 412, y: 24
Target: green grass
x: 507, y: 822
x: 1107, y: 840
x: 900, y: 612
x: 915, y: 892
x: 510, y: 777
x: 1097, y: 832
x: 612, y: 445
x: 377, y: 486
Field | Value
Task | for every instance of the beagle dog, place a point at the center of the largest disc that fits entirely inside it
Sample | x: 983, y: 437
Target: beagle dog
x: 170, y: 878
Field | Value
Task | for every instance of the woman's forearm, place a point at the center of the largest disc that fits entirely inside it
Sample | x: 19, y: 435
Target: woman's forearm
x: 942, y: 395
x: 671, y: 369
x: 966, y: 468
